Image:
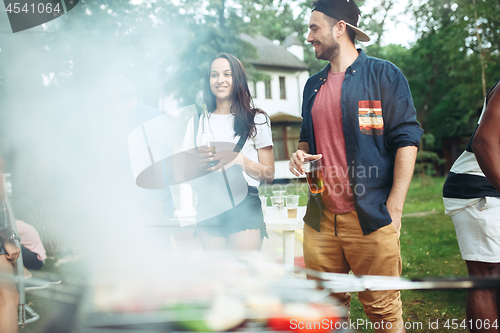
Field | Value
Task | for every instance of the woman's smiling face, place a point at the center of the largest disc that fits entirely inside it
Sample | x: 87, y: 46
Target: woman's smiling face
x: 221, y: 80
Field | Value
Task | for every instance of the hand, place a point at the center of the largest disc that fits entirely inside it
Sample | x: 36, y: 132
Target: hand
x: 298, y: 159
x: 225, y: 159
x: 203, y: 155
x: 396, y: 213
x: 11, y: 249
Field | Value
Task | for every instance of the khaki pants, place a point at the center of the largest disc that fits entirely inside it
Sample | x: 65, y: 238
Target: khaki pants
x: 341, y: 247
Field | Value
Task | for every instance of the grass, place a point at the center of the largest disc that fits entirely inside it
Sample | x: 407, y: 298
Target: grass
x: 425, y: 198
x: 42, y: 305
x: 38, y: 300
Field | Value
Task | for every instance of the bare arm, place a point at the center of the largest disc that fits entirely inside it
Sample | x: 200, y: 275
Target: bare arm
x: 403, y: 172
x: 486, y: 143
x: 302, y: 154
x: 264, y: 170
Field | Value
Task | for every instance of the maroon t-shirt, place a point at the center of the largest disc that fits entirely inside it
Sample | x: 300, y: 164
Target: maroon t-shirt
x: 329, y: 136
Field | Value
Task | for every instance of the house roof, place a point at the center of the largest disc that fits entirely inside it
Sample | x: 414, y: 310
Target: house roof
x: 272, y: 55
x: 291, y: 40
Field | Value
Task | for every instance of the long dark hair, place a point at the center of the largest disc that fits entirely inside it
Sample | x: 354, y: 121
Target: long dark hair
x: 242, y: 107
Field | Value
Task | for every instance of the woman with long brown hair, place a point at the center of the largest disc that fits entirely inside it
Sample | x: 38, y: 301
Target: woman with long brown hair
x: 232, y: 118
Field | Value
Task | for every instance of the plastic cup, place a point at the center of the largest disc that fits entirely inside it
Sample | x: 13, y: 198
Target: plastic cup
x: 314, y: 175
x: 278, y: 207
x: 263, y: 202
x: 279, y: 193
x: 292, y: 204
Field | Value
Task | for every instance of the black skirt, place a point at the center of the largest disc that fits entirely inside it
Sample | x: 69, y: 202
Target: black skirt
x: 247, y: 215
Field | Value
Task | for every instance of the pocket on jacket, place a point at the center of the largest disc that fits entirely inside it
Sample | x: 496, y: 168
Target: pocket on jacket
x: 370, y: 117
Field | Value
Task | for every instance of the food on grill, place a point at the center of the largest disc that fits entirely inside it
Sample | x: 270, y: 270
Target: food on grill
x: 213, y: 294
x: 305, y: 318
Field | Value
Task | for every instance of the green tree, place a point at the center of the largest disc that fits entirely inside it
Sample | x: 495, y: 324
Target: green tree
x: 273, y: 19
x: 374, y: 23
x: 444, y: 67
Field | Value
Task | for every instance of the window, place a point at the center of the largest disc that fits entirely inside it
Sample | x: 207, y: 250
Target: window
x: 282, y: 88
x: 286, y: 139
x: 252, y: 86
x: 267, y: 84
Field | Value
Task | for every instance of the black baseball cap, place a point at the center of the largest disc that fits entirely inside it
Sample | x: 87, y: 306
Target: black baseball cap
x: 343, y: 10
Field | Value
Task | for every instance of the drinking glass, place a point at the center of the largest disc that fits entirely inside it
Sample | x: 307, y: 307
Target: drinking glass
x: 278, y: 206
x: 314, y: 175
x: 292, y: 204
x: 279, y: 193
x: 263, y: 202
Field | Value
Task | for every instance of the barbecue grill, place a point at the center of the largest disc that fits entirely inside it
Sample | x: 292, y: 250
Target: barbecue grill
x: 127, y: 304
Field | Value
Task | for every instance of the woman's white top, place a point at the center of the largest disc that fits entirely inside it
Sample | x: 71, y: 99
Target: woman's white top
x: 222, y: 126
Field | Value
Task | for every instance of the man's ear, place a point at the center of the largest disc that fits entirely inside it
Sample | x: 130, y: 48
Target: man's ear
x: 341, y: 28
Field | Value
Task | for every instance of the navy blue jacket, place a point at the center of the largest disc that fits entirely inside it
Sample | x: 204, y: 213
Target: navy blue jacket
x: 375, y: 93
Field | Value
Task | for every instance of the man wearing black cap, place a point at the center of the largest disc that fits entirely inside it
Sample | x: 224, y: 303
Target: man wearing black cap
x: 358, y: 116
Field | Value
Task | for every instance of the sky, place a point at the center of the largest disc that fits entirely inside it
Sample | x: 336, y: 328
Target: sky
x: 399, y: 32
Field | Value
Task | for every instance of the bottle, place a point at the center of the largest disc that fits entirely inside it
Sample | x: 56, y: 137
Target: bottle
x: 208, y: 135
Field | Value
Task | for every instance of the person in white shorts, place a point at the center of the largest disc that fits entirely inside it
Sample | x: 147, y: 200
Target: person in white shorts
x: 471, y: 197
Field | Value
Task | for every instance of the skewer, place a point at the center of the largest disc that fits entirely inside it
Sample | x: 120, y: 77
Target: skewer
x: 352, y: 283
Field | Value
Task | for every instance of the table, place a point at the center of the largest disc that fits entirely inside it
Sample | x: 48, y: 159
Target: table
x: 288, y: 227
